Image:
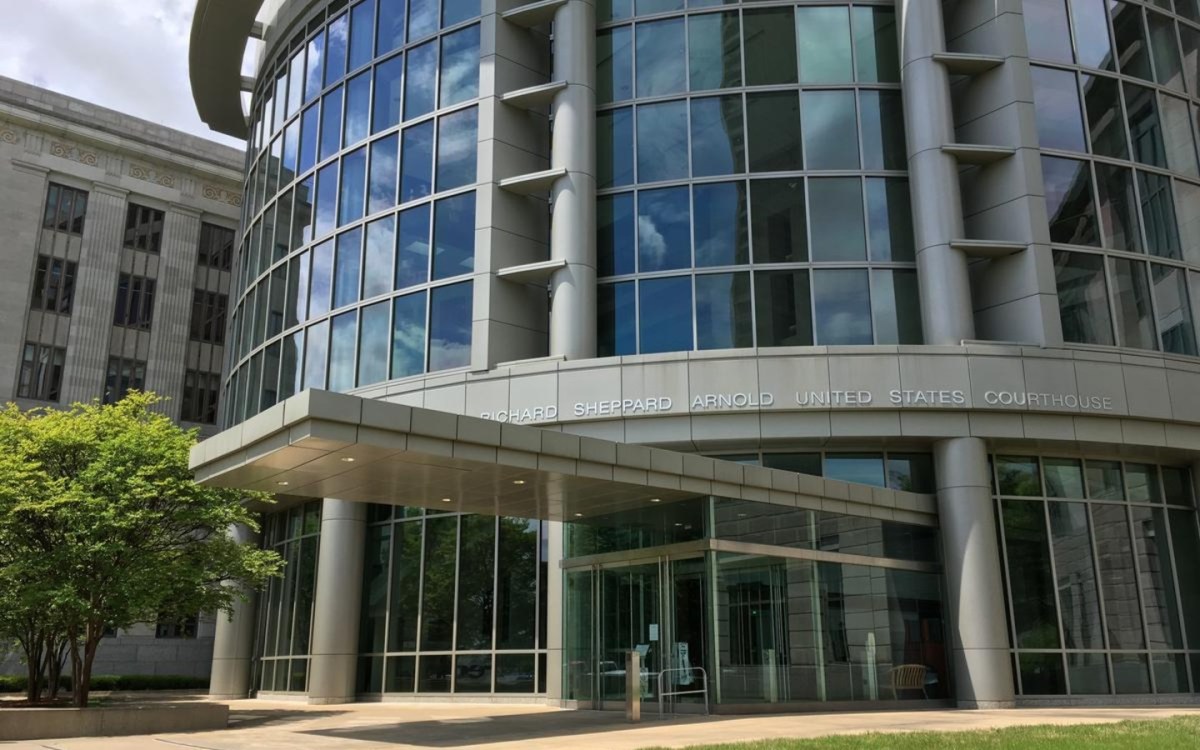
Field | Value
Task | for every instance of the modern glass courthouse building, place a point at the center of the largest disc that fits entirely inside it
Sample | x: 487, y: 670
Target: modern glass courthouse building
x: 823, y: 353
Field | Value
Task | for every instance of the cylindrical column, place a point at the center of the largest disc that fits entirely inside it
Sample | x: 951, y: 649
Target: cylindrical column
x: 336, y: 602
x: 971, y: 553
x: 233, y: 642
x: 946, y: 311
x: 573, y: 198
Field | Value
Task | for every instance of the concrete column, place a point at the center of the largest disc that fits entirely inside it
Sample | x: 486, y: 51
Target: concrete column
x: 946, y: 309
x: 22, y: 198
x: 553, y: 637
x: 170, y: 330
x: 982, y: 666
x: 573, y: 198
x: 337, y: 602
x: 95, y: 294
x: 233, y: 641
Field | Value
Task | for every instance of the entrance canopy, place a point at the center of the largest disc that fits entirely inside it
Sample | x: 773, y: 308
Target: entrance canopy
x: 322, y: 444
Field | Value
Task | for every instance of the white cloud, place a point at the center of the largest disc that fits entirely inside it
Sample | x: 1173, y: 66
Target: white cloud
x: 127, y: 55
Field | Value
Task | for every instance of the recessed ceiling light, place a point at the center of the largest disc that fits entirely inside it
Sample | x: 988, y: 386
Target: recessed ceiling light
x: 282, y: 484
x: 518, y: 481
x: 579, y: 515
x: 656, y: 499
x: 447, y: 500
x: 678, y: 524
x: 348, y: 459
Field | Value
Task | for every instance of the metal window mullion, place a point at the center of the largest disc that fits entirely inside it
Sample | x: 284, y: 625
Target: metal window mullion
x: 1062, y: 640
x: 496, y: 595
x: 454, y: 604
x: 420, y: 614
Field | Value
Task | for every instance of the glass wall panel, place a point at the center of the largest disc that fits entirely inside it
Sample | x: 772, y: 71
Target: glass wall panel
x: 723, y: 312
x: 327, y: 192
x: 1145, y: 132
x: 784, y: 308
x: 1047, y: 30
x: 1093, y: 45
x: 1131, y: 298
x: 380, y: 257
x: 1069, y: 202
x: 1018, y: 476
x: 896, y: 307
x: 1177, y: 135
x: 829, y: 116
x: 476, y: 581
x: 1064, y: 478
x: 405, y: 588
x: 662, y: 141
x: 860, y: 468
x: 372, y: 623
x: 358, y: 109
x: 1083, y: 298
x: 614, y: 148
x: 1032, y: 587
x: 1130, y: 673
x: 1132, y: 48
x: 1118, y: 207
x: 416, y: 164
x: 836, y: 216
x: 457, y: 137
x: 331, y: 123
x: 661, y: 54
x: 664, y: 229
x: 614, y: 64
x: 1106, y: 119
x: 343, y: 335
x: 615, y: 235
x: 1078, y: 595
x: 823, y: 41
x: 1042, y: 674
x: 374, y: 344
x: 408, y: 335
x: 1186, y: 542
x: 779, y: 226
x: 347, y: 268
x: 616, y: 309
x: 419, y: 79
x: 882, y: 115
x: 842, y: 307
x: 1118, y: 578
x: 412, y: 265
x: 773, y: 127
x: 450, y: 327
x: 720, y: 232
x: 1176, y: 331
x: 321, y: 285
x: 459, y: 75
x: 381, y: 192
x: 666, y: 315
x: 770, y: 46
x: 454, y: 236
x: 718, y: 136
x: 1158, y: 213
x: 1156, y: 577
x: 1056, y: 104
x: 316, y: 355
x: 889, y: 220
x: 422, y: 18
x: 362, y: 34
x: 714, y: 51
x: 1168, y: 68
x: 516, y: 586
x: 437, y: 598
x: 876, y: 52
x: 457, y: 11
x: 391, y: 26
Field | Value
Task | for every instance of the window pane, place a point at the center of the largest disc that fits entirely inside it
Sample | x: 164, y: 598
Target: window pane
x: 1142, y: 483
x: 404, y: 599
x: 358, y: 109
x: 646, y: 7
x: 614, y: 148
x: 435, y: 672
x: 664, y: 229
x: 450, y: 327
x: 1018, y: 476
x: 911, y: 472
x: 617, y: 319
x: 1083, y: 298
x: 1187, y: 556
x: 460, y: 66
x: 1069, y: 202
x: 896, y: 307
x: 666, y: 314
x: 316, y: 356
x: 876, y: 50
x: 457, y: 137
x: 1177, y: 133
x: 1156, y: 577
x: 1130, y: 673
x: 309, y: 125
x: 1025, y: 540
x: 296, y: 301
x: 335, y: 49
x: 836, y: 216
x: 1118, y: 207
x: 718, y: 142
x: 353, y: 187
x: 382, y: 190
x: 829, y: 125
x: 341, y: 352
x: 1158, y: 211
x: 331, y: 123
x: 615, y: 234
x: 454, y: 236
x: 1064, y: 478
x: 476, y: 578
x: 779, y: 227
x: 389, y: 82
x: 1132, y: 49
x: 314, y: 67
x: 514, y: 673
x: 457, y: 11
x: 1102, y: 97
x: 1056, y: 105
x: 322, y: 280
x: 437, y: 598
x: 661, y: 56
x: 412, y: 266
x: 882, y: 115
x: 1091, y: 34
x: 859, y: 468
x: 784, y: 308
x: 1118, y: 578
x: 391, y: 26
x: 1176, y: 331
x: 419, y: 80
x: 714, y: 51
x: 362, y: 34
x: 823, y: 35
x: 1168, y: 68
x: 1078, y: 593
x: 720, y: 224
x: 380, y: 257
x: 1145, y: 133
x: 346, y: 276
x: 662, y: 135
x: 1041, y: 674
x: 842, y: 304
x: 408, y: 335
x: 723, y: 315
x: 773, y: 122
x: 889, y: 219
x: 1104, y: 480
x: 1187, y: 206
x: 416, y: 165
x: 770, y: 46
x: 1088, y: 673
x: 1177, y: 488
x: 614, y: 65
x: 1135, y: 323
x: 422, y: 18
x: 613, y: 10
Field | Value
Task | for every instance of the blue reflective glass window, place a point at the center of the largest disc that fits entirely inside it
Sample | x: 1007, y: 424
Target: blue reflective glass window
x: 331, y: 123
x: 454, y: 236
x: 1047, y: 30
x: 779, y: 226
x: 829, y: 128
x: 316, y: 355
x: 450, y: 327
x: 341, y: 352
x: 412, y: 247
x: 347, y: 268
x: 615, y: 235
x: 408, y: 335
x: 1092, y: 41
x: 280, y: 101
x: 353, y: 187
x: 720, y: 234
x: 661, y: 54
x: 315, y: 67
x: 718, y: 136
x: 823, y: 42
x: 616, y: 316
x: 291, y: 153
x: 662, y: 141
x: 714, y: 51
x: 321, y: 280
x: 896, y: 307
x: 860, y: 468
x: 302, y: 226
x: 1057, y: 110
x: 876, y: 47
x: 362, y: 34
x: 296, y: 303
x: 358, y: 109
x: 380, y: 257
x: 391, y: 26
x: 646, y: 7
x: 373, y: 344
x: 309, y: 128
x: 419, y: 80
x: 882, y: 116
x: 889, y: 219
x: 457, y: 11
x: 382, y: 191
x: 422, y: 18
x: 842, y: 303
x: 295, y: 83
x: 723, y: 313
x: 665, y: 322
x: 664, y: 229
x: 614, y: 65
x: 458, y: 134
x: 327, y: 190
x: 459, y: 79
x: 416, y: 162
x: 836, y: 219
x: 389, y: 82
x: 614, y: 148
x: 335, y: 49
x: 613, y: 10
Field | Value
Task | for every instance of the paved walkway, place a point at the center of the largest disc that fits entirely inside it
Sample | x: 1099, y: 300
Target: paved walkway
x: 268, y: 725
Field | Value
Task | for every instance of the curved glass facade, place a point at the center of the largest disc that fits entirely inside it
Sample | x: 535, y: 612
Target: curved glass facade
x: 360, y: 204
x: 751, y: 174
x: 1117, y: 95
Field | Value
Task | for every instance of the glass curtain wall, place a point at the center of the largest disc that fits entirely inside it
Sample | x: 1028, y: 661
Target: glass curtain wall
x: 751, y: 178
x: 452, y: 603
x: 285, y: 608
x: 1117, y: 101
x: 359, y: 207
x: 1101, y: 558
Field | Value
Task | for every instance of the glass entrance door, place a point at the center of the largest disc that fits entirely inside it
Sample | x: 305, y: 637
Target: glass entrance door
x: 630, y: 620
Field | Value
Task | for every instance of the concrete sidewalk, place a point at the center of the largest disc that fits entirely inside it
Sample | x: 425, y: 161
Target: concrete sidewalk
x: 272, y: 725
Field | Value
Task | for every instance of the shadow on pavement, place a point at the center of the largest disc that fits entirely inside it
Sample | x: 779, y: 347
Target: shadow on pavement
x: 252, y: 718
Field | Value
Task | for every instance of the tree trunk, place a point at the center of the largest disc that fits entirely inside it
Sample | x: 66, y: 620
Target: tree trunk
x: 83, y: 680
x: 56, y: 656
x: 76, y: 670
x: 33, y: 646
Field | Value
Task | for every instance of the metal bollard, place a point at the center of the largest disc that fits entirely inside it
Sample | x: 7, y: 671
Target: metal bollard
x: 633, y: 686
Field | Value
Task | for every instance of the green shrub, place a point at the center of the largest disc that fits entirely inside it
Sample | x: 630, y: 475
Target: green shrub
x: 17, y: 683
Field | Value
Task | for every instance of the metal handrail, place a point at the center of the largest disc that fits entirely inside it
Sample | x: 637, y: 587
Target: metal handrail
x: 703, y: 689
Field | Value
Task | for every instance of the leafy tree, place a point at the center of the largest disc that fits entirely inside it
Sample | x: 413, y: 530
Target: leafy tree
x: 102, y: 526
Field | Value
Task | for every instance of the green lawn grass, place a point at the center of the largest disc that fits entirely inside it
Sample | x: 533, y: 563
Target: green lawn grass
x: 1157, y: 734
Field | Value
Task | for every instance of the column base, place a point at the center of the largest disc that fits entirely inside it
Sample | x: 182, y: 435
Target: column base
x: 985, y: 705
x: 332, y: 701
x: 228, y: 696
